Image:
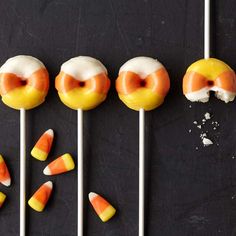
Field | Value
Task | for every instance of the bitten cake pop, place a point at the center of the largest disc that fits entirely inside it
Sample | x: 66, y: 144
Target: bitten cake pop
x: 142, y: 84
x: 207, y: 75
x: 82, y: 84
x: 24, y: 84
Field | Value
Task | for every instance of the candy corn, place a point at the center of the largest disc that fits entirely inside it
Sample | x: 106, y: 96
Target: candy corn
x: 62, y: 164
x: 2, y: 198
x: 5, y: 178
x: 103, y: 208
x: 40, y: 198
x: 43, y: 146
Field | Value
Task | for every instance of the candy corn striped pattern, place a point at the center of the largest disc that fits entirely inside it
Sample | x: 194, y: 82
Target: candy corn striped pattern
x: 43, y: 146
x: 40, y: 198
x: 103, y: 208
x: 2, y: 198
x: 62, y: 164
x: 5, y: 178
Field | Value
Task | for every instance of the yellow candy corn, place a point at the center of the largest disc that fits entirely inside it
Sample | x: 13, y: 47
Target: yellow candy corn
x: 40, y: 198
x: 43, y: 146
x: 103, y: 208
x: 62, y: 164
x: 2, y: 198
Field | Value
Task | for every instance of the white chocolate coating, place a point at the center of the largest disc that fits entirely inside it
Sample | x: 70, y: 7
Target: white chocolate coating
x: 143, y: 66
x: 23, y: 66
x: 203, y: 95
x: 83, y: 67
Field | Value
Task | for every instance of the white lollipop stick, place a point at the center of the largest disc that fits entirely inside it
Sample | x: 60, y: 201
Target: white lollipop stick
x: 22, y: 172
x: 207, y: 15
x: 80, y: 168
x: 141, y: 171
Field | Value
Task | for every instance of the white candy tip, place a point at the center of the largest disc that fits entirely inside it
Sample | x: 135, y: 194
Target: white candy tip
x: 49, y: 184
x: 92, y: 196
x: 6, y: 182
x: 50, y: 132
x: 47, y: 171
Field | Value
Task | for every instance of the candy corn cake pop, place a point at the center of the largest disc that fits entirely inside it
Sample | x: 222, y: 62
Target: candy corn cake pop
x: 82, y: 84
x: 143, y: 82
x: 24, y: 84
x: 207, y: 75
x: 142, y: 85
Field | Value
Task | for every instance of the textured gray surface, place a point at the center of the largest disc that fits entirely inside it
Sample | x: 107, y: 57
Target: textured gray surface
x: 189, y: 192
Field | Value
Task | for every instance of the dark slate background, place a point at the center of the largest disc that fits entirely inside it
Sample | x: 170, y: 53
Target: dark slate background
x: 190, y: 192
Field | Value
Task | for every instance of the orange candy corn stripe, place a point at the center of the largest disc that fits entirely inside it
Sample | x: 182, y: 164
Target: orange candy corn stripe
x: 5, y: 178
x: 102, y: 207
x: 43, y: 146
x: 194, y: 81
x: 10, y: 81
x: 158, y: 82
x: 62, y: 164
x: 99, y: 83
x: 40, y: 198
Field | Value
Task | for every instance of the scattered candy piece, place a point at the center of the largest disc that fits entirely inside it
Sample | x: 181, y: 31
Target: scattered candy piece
x: 103, y: 208
x: 40, y: 198
x: 43, y: 146
x: 2, y: 198
x: 5, y: 178
x: 62, y: 164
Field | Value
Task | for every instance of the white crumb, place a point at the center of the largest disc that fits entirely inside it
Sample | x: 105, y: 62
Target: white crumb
x: 203, y: 120
x: 233, y: 157
x: 195, y: 122
x: 207, y: 116
x: 206, y: 141
x: 196, y: 148
x: 189, y: 130
x: 199, y: 126
x: 190, y: 106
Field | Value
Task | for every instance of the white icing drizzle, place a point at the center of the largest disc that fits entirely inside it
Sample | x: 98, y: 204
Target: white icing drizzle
x: 23, y: 66
x: 83, y: 67
x: 143, y: 66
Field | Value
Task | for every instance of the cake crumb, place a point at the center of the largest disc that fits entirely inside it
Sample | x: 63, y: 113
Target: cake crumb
x: 199, y: 126
x: 206, y: 141
x: 207, y: 116
x: 195, y: 122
